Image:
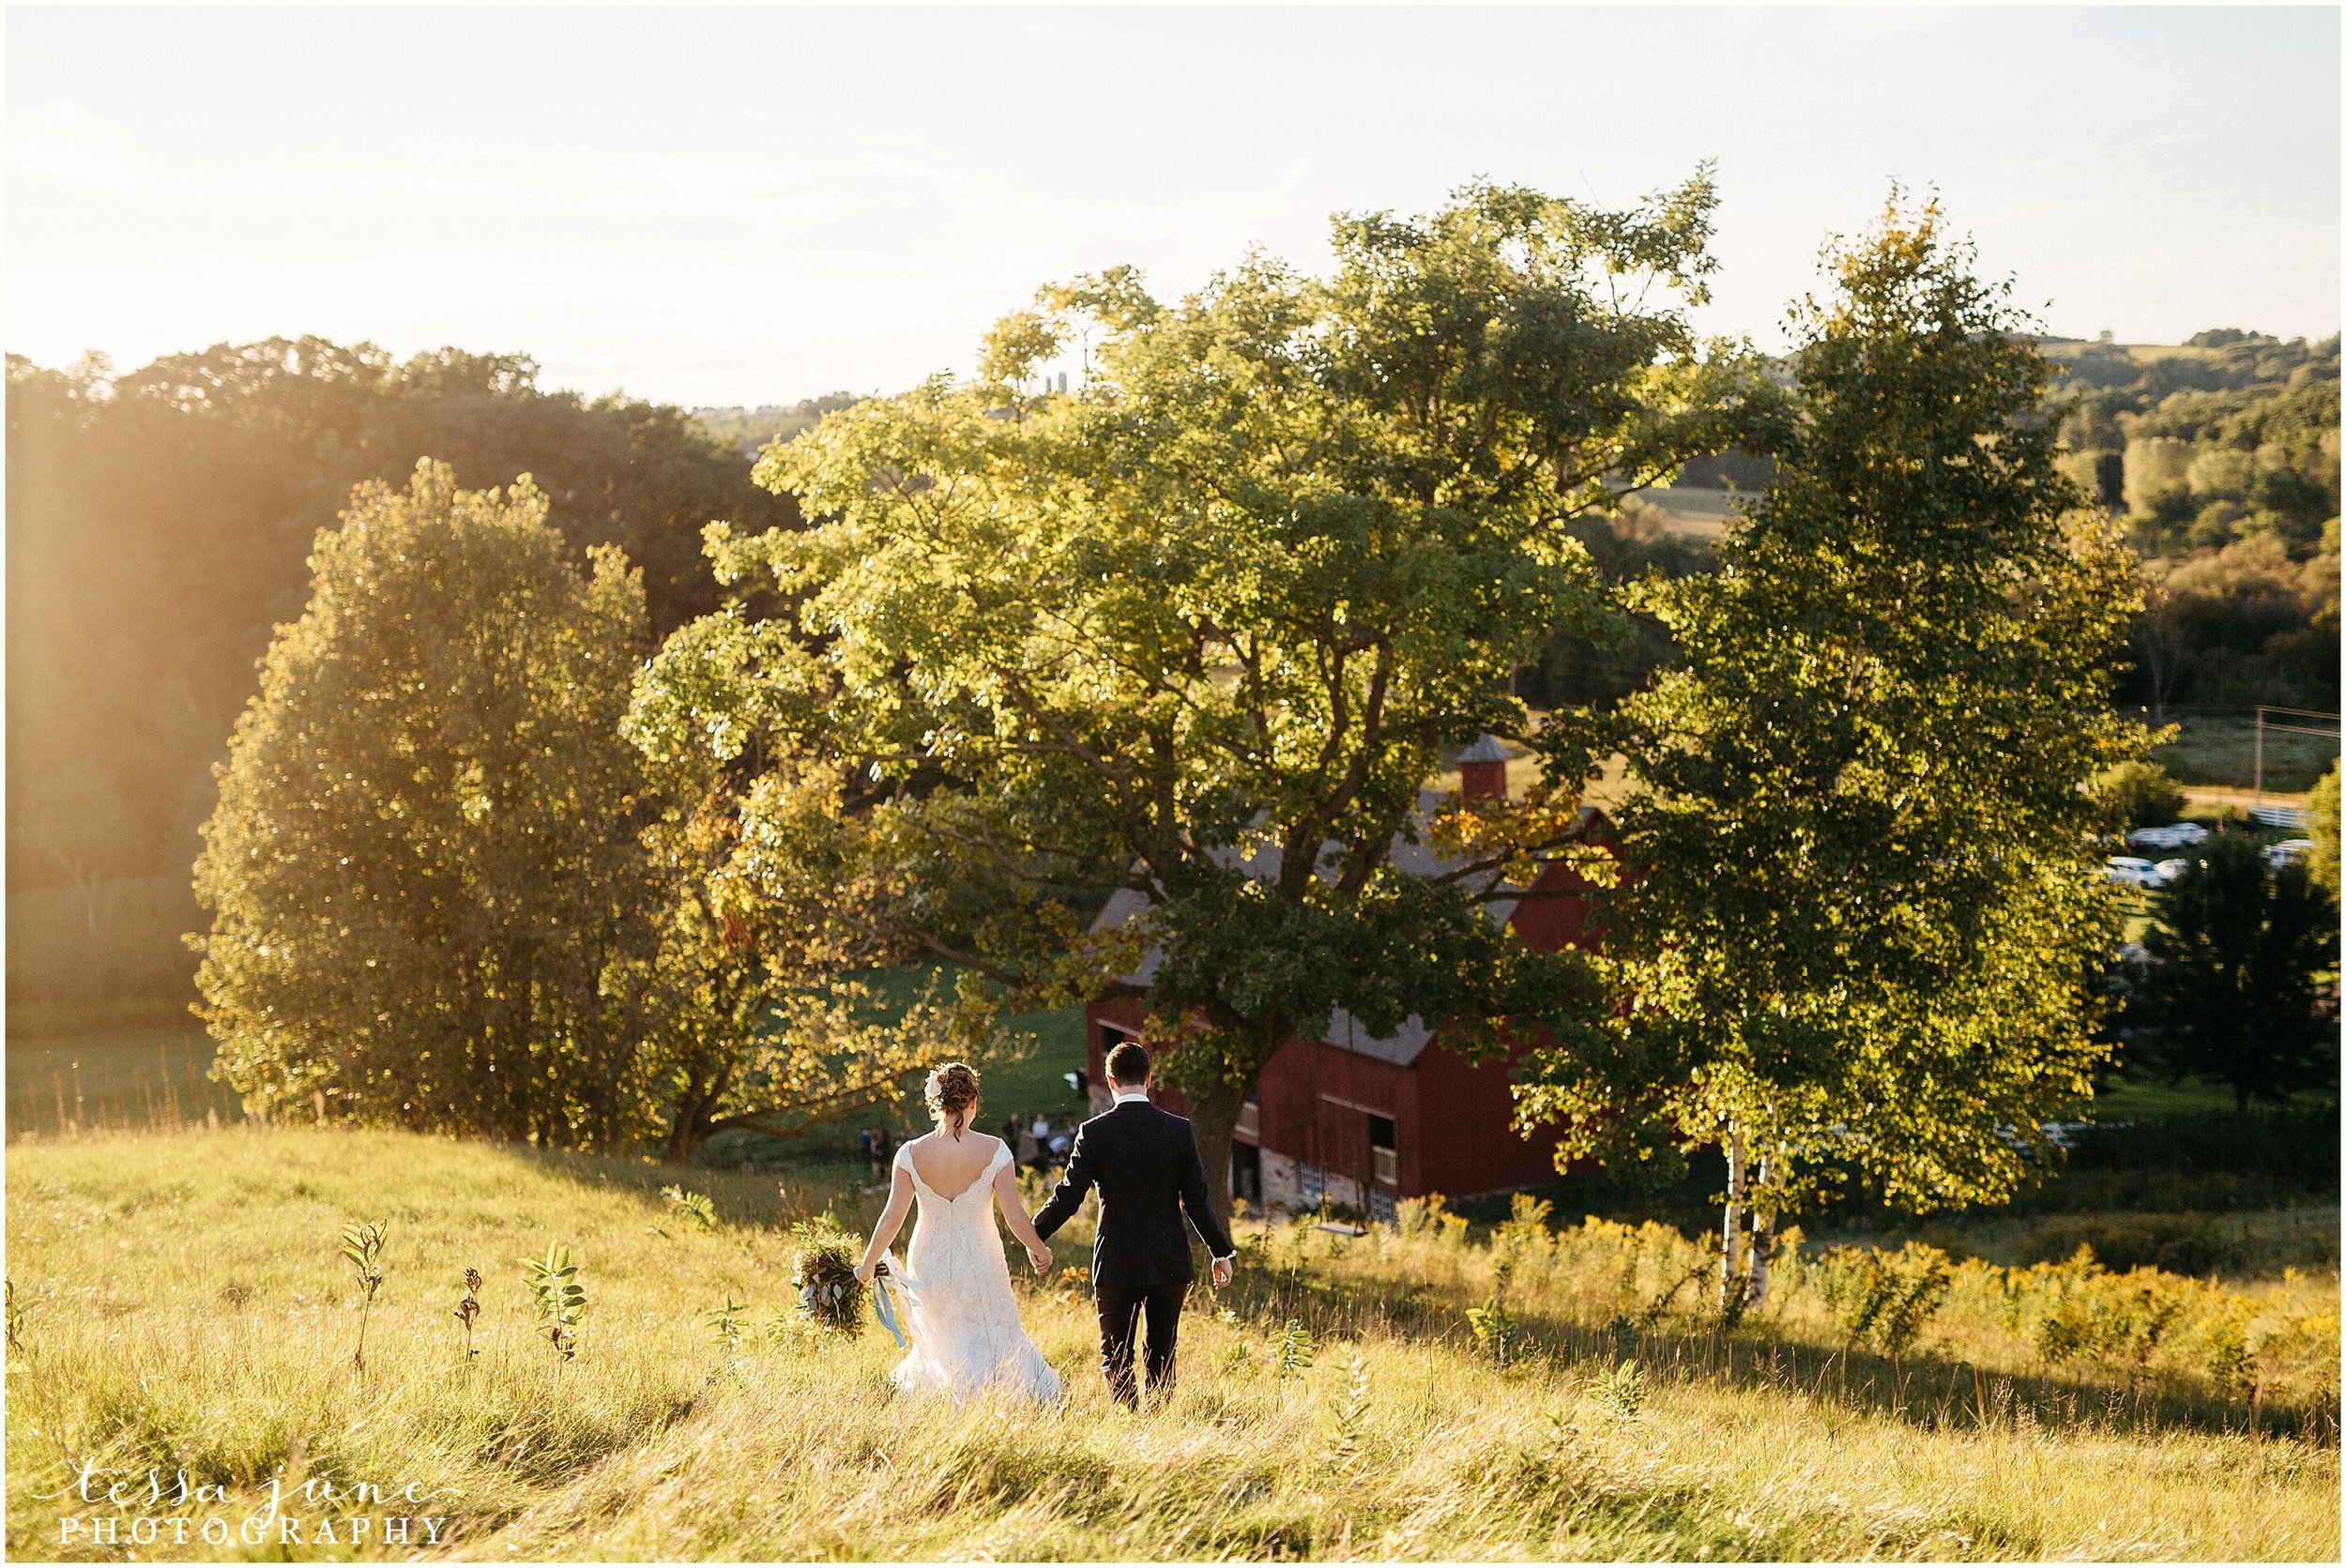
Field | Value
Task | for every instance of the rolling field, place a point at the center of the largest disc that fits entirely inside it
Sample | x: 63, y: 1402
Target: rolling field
x: 182, y: 1306
x: 2218, y: 749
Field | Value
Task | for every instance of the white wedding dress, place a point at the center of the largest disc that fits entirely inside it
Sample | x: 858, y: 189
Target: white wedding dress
x: 958, y: 1311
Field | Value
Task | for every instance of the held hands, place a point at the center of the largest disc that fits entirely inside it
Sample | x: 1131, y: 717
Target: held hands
x: 1222, y: 1271
x: 1040, y: 1255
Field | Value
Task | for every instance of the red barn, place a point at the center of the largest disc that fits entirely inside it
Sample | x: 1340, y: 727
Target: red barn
x: 1364, y: 1121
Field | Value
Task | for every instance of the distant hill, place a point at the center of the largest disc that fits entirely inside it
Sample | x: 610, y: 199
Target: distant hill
x: 2221, y: 456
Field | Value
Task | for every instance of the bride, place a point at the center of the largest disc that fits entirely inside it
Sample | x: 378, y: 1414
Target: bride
x: 959, y: 1314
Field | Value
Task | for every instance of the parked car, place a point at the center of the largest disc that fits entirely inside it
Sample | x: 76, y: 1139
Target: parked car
x: 2137, y: 873
x: 2288, y: 852
x: 2175, y: 835
x: 2172, y: 869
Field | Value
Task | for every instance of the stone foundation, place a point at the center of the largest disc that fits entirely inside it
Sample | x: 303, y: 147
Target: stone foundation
x: 1280, y: 1182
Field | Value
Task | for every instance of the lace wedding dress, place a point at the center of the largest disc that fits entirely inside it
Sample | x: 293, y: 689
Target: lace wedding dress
x: 959, y: 1312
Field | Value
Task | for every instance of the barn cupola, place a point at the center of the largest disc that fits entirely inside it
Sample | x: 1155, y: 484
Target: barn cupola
x: 1483, y: 770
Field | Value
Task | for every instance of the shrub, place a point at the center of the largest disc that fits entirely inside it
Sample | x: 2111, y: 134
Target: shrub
x: 1350, y: 1414
x: 1420, y: 1216
x: 2179, y: 1243
x: 727, y: 1324
x: 1620, y: 1390
x: 1496, y: 1330
x: 2292, y: 1145
x: 362, y: 1249
x: 467, y: 1310
x: 1293, y: 1350
x: 694, y: 1210
x: 2322, y: 827
x: 1526, y: 1225
x: 2303, y: 1344
x: 560, y: 1298
x: 2140, y: 794
x: 2118, y: 1319
x: 1884, y: 1296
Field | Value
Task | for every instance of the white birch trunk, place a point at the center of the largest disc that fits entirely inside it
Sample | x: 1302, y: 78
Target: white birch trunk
x: 1762, y: 1235
x: 1730, y: 1234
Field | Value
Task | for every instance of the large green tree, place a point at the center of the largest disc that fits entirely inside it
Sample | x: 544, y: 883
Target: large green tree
x: 423, y: 873
x: 1860, y: 889
x: 755, y: 1012
x: 1202, y: 628
x: 2235, y: 944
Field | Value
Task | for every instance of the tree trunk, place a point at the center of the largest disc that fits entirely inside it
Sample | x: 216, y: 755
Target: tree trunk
x: 696, y: 1107
x: 1730, y: 1234
x: 1214, y: 1119
x: 1762, y: 1236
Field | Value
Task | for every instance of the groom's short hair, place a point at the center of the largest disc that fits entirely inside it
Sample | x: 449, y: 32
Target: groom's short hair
x: 1128, y: 1063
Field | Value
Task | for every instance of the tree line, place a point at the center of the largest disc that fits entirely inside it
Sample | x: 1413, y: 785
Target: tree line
x: 582, y: 807
x: 158, y: 522
x: 2222, y: 457
x: 496, y: 851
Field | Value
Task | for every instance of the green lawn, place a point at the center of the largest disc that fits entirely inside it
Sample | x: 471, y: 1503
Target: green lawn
x: 122, y: 1077
x: 2220, y: 749
x: 2140, y: 1097
x: 141, y: 1067
x: 1027, y: 1075
x: 1052, y: 1045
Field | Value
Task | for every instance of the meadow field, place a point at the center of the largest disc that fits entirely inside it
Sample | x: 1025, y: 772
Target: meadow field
x: 1528, y: 1388
x: 2216, y: 749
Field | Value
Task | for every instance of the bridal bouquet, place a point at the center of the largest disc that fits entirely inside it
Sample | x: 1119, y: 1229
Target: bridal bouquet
x: 823, y: 1268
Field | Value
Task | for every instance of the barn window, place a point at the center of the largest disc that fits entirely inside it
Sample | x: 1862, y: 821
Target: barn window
x: 1384, y: 1154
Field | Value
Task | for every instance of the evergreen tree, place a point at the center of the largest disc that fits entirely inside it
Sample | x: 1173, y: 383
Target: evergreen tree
x: 2235, y: 944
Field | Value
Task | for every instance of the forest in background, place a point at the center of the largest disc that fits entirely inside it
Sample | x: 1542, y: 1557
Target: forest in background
x: 2222, y: 454
x: 159, y: 524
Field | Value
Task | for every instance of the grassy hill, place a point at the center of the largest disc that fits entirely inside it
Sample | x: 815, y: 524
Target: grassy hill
x: 182, y: 1306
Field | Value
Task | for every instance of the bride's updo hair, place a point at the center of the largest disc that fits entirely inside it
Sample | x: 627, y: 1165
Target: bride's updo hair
x: 951, y: 1093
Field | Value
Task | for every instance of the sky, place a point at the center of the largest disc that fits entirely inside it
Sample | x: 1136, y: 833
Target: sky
x: 753, y: 205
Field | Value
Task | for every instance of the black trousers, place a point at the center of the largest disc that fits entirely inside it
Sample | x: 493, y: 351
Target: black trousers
x: 1120, y: 1312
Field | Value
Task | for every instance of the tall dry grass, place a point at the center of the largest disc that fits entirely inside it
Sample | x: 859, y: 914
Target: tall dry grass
x: 185, y: 1307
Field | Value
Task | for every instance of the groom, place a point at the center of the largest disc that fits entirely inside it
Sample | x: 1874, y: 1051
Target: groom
x: 1144, y: 1163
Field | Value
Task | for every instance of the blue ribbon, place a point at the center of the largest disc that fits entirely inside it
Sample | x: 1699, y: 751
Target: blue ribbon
x: 884, y: 1307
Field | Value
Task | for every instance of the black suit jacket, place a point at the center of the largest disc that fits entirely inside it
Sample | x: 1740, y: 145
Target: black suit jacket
x: 1145, y: 1163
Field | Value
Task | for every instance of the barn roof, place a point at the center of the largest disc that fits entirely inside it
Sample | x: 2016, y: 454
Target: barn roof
x: 1404, y: 1044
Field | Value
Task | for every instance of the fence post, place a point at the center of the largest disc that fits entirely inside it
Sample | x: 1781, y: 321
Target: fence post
x: 2260, y: 784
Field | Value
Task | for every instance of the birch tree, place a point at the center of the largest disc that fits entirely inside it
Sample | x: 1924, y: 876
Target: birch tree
x: 1861, y: 892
